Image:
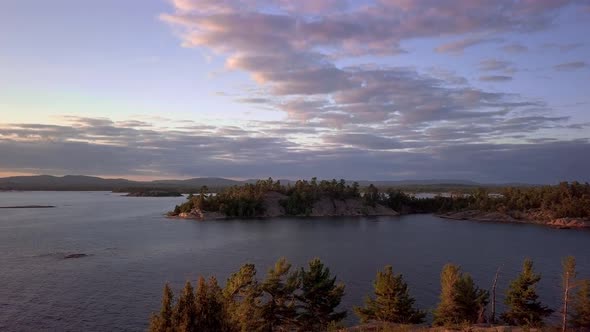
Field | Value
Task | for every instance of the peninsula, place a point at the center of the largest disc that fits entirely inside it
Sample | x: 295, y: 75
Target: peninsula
x: 566, y: 205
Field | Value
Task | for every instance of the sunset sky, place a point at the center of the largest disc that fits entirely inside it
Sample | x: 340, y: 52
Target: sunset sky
x: 490, y: 91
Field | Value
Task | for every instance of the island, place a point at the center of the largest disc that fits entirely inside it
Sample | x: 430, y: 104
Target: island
x: 566, y: 205
x: 153, y: 193
x: 28, y: 207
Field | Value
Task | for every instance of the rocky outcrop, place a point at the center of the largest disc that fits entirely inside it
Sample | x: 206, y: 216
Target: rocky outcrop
x: 528, y: 217
x: 272, y: 204
x: 71, y: 256
x: 327, y: 207
x: 201, y: 215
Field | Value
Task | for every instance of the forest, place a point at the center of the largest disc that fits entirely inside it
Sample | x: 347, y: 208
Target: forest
x: 308, y: 299
x: 562, y: 200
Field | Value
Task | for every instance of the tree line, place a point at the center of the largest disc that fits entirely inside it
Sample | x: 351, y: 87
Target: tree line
x: 563, y: 200
x: 308, y: 299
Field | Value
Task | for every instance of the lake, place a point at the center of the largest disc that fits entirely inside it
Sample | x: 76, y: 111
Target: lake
x: 133, y: 250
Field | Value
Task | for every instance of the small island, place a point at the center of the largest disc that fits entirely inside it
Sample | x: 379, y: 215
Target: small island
x: 153, y: 193
x: 28, y: 207
x: 566, y: 205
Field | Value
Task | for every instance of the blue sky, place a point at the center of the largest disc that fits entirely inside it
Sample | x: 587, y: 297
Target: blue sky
x: 381, y: 89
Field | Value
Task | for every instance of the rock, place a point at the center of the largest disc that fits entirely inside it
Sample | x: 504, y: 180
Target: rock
x: 75, y: 256
x: 272, y: 205
x: 567, y: 223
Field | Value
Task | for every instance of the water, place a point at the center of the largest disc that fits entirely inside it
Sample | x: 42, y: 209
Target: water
x: 133, y: 250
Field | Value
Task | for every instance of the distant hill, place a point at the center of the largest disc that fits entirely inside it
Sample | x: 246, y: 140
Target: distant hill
x: 89, y: 183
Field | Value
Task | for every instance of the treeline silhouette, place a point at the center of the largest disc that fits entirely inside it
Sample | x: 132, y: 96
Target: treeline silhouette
x: 308, y: 299
x: 563, y: 200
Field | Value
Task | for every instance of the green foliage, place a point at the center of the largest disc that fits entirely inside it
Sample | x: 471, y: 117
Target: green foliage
x: 242, y: 294
x: 580, y: 316
x: 461, y: 301
x: 163, y: 321
x: 184, y: 312
x: 279, y: 311
x: 209, y: 307
x: 521, y: 300
x: 392, y: 302
x: 318, y: 298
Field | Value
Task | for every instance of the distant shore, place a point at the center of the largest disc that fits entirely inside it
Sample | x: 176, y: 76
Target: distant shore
x: 28, y: 207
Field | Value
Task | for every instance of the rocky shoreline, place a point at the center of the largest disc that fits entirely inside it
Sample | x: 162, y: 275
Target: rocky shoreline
x: 324, y: 207
x: 530, y: 217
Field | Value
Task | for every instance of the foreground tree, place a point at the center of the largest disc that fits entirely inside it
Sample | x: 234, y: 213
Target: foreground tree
x: 318, y: 299
x: 580, y: 317
x: 392, y: 302
x: 569, y: 280
x: 522, y: 303
x: 209, y: 307
x: 184, y: 311
x: 242, y: 296
x: 278, y: 312
x: 163, y: 321
x: 460, y: 300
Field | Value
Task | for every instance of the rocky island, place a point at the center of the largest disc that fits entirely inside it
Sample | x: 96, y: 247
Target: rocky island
x: 153, y: 193
x: 267, y: 199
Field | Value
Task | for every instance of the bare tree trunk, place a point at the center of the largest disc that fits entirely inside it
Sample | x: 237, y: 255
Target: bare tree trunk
x: 566, y: 292
x: 493, y: 315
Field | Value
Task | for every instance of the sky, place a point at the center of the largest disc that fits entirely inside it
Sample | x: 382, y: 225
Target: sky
x: 488, y: 91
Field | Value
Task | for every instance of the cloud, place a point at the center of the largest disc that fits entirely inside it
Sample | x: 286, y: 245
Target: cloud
x: 168, y: 153
x: 457, y: 47
x: 562, y: 47
x: 567, y: 66
x: 514, y: 48
x: 494, y: 65
x: 495, y: 78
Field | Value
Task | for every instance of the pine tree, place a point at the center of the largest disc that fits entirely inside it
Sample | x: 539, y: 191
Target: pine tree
x: 209, y: 309
x: 524, y: 309
x: 392, y: 302
x: 569, y: 279
x: 278, y: 313
x: 319, y: 297
x: 184, y: 311
x: 580, y: 317
x: 163, y: 322
x: 242, y: 296
x: 461, y: 301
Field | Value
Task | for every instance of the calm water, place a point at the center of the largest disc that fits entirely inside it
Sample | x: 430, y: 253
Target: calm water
x: 133, y: 250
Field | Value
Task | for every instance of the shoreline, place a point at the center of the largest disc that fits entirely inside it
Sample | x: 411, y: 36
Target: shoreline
x: 28, y: 207
x: 505, y: 218
x: 557, y: 223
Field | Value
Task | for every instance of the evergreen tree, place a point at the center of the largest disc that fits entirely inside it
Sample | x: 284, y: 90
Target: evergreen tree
x: 163, y: 322
x: 278, y: 313
x: 461, y: 301
x: 184, y: 311
x: 319, y: 297
x: 392, y: 302
x: 209, y: 308
x: 580, y: 317
x: 242, y: 296
x: 522, y: 303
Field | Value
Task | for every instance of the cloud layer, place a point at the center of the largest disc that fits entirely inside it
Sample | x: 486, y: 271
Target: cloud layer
x: 350, y: 109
